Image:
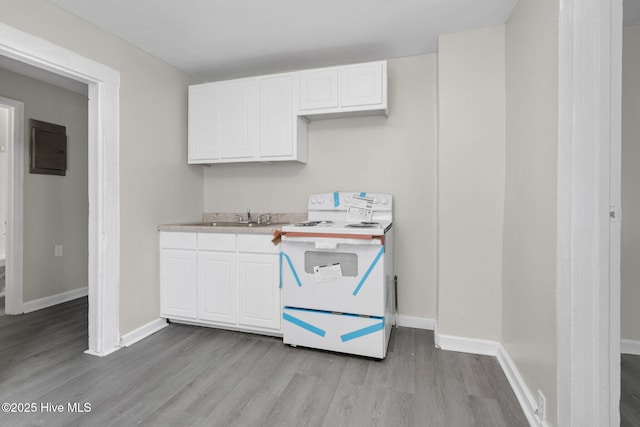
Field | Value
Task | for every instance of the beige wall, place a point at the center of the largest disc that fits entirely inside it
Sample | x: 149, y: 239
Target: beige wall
x: 156, y: 185
x: 471, y: 147
x: 529, y: 251
x: 630, y: 244
x: 396, y: 155
x: 56, y: 208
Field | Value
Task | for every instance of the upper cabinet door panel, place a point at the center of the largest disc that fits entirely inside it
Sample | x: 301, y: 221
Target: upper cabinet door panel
x: 276, y: 116
x: 361, y: 85
x: 203, y: 143
x: 318, y: 89
x: 349, y: 90
x: 237, y: 124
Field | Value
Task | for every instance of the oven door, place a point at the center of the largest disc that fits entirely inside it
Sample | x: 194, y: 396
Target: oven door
x: 334, y: 275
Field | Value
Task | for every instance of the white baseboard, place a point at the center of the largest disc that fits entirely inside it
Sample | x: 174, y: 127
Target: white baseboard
x: 416, y: 322
x: 142, y: 332
x: 630, y: 347
x: 49, y: 301
x: 522, y: 392
x: 467, y: 345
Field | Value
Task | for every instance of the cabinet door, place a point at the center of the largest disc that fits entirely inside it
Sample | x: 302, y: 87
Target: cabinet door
x: 237, y: 124
x: 217, y: 286
x: 276, y: 116
x: 178, y: 283
x: 258, y: 291
x: 361, y: 85
x: 204, y: 111
x: 318, y: 89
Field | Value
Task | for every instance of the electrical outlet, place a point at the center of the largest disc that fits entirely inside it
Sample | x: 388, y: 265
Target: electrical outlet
x: 57, y: 250
x: 541, y: 410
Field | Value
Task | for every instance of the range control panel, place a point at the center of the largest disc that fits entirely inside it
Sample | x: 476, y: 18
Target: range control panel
x: 340, y: 201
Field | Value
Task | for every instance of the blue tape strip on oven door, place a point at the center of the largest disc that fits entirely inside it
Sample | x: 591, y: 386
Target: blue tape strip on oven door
x: 366, y: 275
x: 293, y: 270
x: 362, y: 332
x: 336, y: 199
x: 309, y: 327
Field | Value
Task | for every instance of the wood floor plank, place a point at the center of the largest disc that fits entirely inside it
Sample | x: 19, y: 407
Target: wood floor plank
x: 630, y: 391
x: 191, y: 376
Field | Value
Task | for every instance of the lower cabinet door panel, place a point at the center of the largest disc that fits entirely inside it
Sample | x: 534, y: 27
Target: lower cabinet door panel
x: 217, y: 286
x: 258, y: 291
x: 178, y: 283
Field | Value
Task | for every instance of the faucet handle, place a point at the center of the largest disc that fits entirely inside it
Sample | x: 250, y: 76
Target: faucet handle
x: 266, y: 216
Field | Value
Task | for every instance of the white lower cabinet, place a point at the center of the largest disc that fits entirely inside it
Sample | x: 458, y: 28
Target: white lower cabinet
x: 217, y: 287
x: 230, y: 281
x: 178, y: 282
x: 258, y: 291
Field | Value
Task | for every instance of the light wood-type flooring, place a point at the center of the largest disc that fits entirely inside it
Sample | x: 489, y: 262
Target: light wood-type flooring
x: 193, y: 376
x: 630, y: 396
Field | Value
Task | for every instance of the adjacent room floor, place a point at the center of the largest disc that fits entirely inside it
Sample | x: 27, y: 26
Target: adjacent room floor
x: 185, y: 375
x: 630, y: 396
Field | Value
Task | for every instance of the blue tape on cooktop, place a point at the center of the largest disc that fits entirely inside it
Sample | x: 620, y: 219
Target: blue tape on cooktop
x: 363, y: 194
x: 309, y: 327
x: 362, y: 332
x: 336, y: 199
x: 366, y: 275
x: 293, y: 270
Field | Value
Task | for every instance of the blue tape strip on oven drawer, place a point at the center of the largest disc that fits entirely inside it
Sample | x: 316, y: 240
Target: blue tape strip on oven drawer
x: 366, y: 274
x: 309, y: 327
x: 293, y: 270
x: 362, y: 332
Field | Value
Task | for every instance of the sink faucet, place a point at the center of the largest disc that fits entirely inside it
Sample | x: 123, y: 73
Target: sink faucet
x: 249, y: 220
x: 267, y: 218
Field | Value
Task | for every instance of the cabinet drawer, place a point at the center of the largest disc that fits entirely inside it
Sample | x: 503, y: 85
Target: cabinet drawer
x: 173, y: 240
x: 216, y: 242
x: 257, y: 243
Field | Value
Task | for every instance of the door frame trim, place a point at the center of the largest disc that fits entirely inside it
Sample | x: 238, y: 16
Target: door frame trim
x: 103, y: 140
x: 588, y: 321
x: 15, y: 179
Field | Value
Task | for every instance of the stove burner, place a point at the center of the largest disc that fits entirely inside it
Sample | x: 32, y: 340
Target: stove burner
x: 363, y: 224
x: 312, y: 223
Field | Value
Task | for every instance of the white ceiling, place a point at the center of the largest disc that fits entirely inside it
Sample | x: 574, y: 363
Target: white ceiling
x: 221, y: 39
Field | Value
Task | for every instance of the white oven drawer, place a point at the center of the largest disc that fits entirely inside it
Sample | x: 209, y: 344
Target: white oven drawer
x: 361, y: 289
x: 365, y: 336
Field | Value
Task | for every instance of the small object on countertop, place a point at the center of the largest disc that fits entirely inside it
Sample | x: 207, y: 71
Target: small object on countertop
x: 277, y: 237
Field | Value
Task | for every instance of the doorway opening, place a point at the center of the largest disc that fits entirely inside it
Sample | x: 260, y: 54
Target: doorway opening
x: 103, y: 243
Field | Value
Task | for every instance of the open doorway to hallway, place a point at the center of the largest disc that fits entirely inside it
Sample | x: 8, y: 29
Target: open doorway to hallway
x: 54, y: 218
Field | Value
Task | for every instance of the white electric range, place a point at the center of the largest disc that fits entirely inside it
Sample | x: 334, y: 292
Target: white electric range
x: 337, y: 274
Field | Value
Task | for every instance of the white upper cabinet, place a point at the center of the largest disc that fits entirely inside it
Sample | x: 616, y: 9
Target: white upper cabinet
x: 342, y: 91
x: 264, y: 119
x: 318, y: 89
x: 363, y: 85
x: 246, y: 120
x: 281, y: 134
x: 236, y: 121
x: 204, y: 138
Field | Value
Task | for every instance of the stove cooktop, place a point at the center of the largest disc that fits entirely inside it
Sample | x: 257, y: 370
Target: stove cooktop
x: 376, y: 228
